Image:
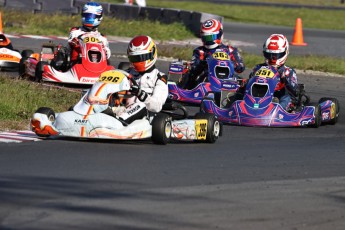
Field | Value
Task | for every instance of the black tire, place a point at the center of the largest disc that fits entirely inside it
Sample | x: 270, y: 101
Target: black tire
x: 317, y: 114
x: 161, y: 129
x: 39, y: 70
x: 124, y: 65
x: 47, y: 111
x: 334, y: 120
x: 21, y: 67
x: 26, y: 53
x: 50, y: 114
x: 213, y: 126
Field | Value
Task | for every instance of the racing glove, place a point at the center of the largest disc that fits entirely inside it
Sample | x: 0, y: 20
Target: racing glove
x: 136, y: 91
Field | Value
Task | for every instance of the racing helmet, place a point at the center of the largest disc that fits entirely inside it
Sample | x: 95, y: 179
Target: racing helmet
x: 92, y: 15
x: 276, y: 50
x: 142, y: 53
x: 211, y: 33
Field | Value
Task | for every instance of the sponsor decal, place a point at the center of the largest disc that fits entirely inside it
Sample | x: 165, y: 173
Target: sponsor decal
x: 136, y: 108
x: 87, y: 80
x: 196, y: 94
x: 280, y: 116
x: 229, y: 86
x: 325, y: 116
x: 80, y: 121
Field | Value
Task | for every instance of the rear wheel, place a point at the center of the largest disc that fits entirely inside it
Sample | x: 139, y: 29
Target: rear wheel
x: 213, y: 126
x: 25, y: 55
x: 161, y: 129
x: 334, y: 110
x: 39, y: 70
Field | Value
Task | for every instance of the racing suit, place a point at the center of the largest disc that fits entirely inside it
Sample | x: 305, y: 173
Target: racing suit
x: 199, y: 65
x: 287, y: 88
x: 153, y: 83
x: 74, y: 45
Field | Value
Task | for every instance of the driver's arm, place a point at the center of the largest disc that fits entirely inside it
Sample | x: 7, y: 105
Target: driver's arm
x: 155, y: 102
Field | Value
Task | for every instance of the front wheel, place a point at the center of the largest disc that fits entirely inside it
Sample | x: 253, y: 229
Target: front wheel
x: 317, y: 116
x: 161, y: 129
x: 213, y: 126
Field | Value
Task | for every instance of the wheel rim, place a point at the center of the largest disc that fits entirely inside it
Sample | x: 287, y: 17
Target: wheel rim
x: 167, y: 129
x: 51, y: 118
x: 216, y: 128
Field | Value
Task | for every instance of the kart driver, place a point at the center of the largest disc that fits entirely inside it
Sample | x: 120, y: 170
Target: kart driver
x: 211, y: 35
x: 276, y: 51
x: 92, y: 15
x: 149, y: 85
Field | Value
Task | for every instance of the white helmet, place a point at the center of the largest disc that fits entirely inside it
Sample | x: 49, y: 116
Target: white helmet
x: 211, y: 33
x: 276, y: 50
x: 142, y: 53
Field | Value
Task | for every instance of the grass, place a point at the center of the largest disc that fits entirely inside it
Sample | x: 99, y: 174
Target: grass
x: 22, y: 98
x: 41, y: 24
x: 312, y: 18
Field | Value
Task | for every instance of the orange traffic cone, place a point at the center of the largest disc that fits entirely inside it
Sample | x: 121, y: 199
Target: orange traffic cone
x: 1, y: 32
x: 297, y: 39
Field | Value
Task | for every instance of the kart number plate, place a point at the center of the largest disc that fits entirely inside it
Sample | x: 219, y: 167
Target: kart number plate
x: 111, y: 76
x: 221, y: 56
x: 265, y: 73
x: 201, y: 129
x: 90, y: 39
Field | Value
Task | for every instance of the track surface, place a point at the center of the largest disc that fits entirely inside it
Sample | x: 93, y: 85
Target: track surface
x: 251, y: 178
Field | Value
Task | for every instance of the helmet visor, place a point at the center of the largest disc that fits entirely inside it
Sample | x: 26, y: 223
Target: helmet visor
x: 274, y: 56
x: 91, y: 16
x: 142, y: 57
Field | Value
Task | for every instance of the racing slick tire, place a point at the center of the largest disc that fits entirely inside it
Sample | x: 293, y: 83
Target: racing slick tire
x: 161, y: 129
x: 124, y: 65
x: 334, y: 120
x: 25, y: 55
x: 39, y: 70
x: 214, y: 127
x: 51, y: 117
x: 317, y: 114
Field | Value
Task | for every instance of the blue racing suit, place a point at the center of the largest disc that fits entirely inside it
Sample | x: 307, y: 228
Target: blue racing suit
x: 199, y: 64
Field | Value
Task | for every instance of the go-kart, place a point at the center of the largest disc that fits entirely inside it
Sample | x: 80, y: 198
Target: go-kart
x: 53, y: 64
x: 93, y: 118
x: 259, y: 107
x: 9, y: 57
x: 219, y: 78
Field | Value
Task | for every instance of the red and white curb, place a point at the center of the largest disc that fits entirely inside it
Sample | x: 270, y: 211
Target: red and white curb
x: 18, y: 136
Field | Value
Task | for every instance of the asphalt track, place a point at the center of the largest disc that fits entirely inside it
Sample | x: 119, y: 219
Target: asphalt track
x: 251, y: 178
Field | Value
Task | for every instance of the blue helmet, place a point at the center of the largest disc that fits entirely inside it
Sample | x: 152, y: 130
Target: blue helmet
x: 92, y: 15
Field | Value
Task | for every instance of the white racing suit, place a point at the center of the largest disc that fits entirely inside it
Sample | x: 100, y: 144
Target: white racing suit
x: 77, y: 31
x: 154, y: 83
